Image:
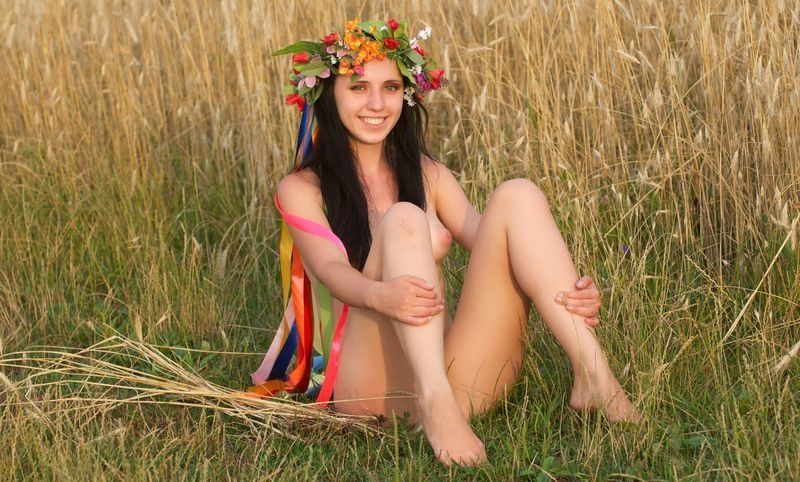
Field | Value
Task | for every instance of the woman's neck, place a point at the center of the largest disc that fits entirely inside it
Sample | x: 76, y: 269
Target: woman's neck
x: 370, y: 159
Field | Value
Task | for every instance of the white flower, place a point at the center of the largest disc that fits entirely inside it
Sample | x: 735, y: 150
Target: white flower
x: 417, y: 69
x: 408, y: 95
x: 413, y: 42
x: 425, y: 33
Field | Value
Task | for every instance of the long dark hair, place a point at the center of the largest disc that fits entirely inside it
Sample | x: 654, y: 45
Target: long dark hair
x: 333, y: 161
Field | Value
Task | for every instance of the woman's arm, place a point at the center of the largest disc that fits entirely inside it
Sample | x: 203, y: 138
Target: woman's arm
x: 406, y: 298
x: 462, y: 219
x: 453, y: 208
x: 321, y: 257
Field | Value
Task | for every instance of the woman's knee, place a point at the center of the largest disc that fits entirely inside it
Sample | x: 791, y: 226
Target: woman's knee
x: 404, y: 218
x: 519, y: 193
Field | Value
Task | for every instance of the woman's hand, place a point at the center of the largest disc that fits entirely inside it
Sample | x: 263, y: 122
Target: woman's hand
x: 408, y: 299
x: 584, y: 302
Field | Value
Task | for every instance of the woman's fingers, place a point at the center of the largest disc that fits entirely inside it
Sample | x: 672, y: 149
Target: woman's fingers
x: 428, y: 302
x: 424, y: 289
x: 419, y: 315
x: 417, y: 320
x: 426, y: 311
x: 593, y: 322
x: 586, y: 301
x: 423, y: 293
x: 590, y: 293
x: 586, y: 312
x: 416, y: 280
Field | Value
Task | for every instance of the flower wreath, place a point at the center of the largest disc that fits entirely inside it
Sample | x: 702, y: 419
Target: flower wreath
x: 346, y: 54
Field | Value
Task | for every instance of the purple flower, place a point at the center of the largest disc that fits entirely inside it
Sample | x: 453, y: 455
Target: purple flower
x: 422, y: 82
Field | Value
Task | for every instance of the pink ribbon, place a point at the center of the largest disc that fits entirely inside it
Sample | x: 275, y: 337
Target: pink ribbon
x: 317, y: 229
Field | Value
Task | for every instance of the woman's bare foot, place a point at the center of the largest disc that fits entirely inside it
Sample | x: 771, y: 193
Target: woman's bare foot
x: 448, y: 431
x: 603, y: 392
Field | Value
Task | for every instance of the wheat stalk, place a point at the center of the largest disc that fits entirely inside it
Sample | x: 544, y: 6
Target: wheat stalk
x: 89, y: 370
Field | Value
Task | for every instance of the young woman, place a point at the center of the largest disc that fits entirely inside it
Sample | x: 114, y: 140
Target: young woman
x: 369, y: 180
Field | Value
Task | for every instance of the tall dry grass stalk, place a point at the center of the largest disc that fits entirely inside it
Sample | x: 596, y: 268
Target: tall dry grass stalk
x: 117, y: 371
x: 140, y: 143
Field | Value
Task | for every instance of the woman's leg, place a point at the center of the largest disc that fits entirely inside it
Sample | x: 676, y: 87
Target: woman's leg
x: 518, y: 255
x: 402, y: 245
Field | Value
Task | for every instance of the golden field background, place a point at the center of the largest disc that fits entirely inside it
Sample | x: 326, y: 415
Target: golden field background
x: 141, y: 141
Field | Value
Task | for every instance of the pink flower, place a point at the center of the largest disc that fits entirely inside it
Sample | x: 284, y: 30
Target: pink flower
x: 359, y: 69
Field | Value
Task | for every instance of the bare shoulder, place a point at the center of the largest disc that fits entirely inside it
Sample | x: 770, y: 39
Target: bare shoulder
x: 438, y: 174
x: 432, y: 168
x: 300, y: 190
x: 433, y: 172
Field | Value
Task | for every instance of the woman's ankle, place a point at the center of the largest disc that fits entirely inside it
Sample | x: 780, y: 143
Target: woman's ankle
x: 433, y: 389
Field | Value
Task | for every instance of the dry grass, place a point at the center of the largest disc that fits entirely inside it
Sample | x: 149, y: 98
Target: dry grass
x: 140, y: 143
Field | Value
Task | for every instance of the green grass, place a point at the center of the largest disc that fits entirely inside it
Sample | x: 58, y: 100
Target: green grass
x: 136, y: 200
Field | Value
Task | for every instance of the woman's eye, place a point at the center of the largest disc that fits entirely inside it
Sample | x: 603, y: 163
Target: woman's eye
x: 393, y: 88
x: 357, y: 88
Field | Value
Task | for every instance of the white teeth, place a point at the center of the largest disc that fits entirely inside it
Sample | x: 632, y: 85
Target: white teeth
x: 373, y: 121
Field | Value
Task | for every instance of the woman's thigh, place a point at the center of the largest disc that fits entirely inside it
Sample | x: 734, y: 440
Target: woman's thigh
x: 374, y: 376
x: 484, y: 346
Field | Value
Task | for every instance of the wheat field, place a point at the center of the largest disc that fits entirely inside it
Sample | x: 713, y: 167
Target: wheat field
x: 141, y: 142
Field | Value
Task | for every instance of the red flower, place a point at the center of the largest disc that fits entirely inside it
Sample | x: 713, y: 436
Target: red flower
x: 420, y: 50
x: 330, y: 39
x: 301, y: 58
x: 436, y: 78
x: 296, y: 99
x: 392, y: 24
x: 390, y: 43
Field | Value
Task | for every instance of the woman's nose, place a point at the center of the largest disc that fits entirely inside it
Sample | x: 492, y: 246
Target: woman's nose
x: 375, y: 101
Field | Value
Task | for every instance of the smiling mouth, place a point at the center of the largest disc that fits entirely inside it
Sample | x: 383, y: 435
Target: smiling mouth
x: 373, y: 121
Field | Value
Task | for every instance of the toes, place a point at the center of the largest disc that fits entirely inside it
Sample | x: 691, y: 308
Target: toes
x: 471, y: 458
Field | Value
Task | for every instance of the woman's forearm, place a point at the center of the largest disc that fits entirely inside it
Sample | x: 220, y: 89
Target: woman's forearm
x: 349, y: 285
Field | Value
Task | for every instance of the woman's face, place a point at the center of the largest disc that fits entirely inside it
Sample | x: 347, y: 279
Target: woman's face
x: 370, y: 106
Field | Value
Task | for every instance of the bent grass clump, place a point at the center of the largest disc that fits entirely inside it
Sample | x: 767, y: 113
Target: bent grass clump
x: 57, y: 381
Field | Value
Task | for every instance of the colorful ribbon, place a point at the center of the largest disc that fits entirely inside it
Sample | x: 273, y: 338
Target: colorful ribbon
x: 295, y: 335
x: 298, y: 334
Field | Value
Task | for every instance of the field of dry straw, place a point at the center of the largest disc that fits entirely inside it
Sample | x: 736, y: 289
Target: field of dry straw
x: 141, y: 141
